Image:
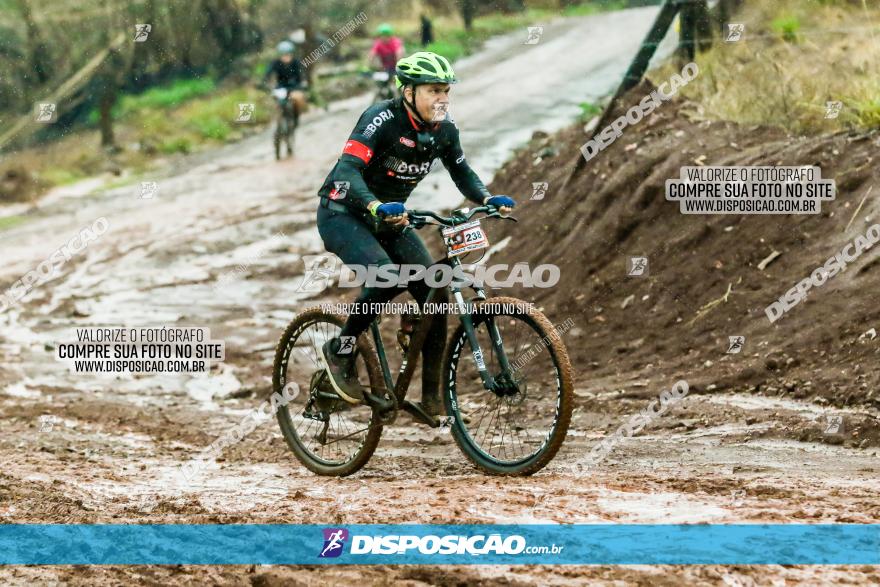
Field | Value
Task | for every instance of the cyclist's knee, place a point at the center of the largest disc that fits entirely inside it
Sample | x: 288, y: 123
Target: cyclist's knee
x: 420, y: 291
x: 380, y: 277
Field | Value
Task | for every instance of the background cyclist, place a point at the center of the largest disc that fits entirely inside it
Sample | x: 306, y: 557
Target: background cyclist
x: 387, y: 50
x: 289, y: 74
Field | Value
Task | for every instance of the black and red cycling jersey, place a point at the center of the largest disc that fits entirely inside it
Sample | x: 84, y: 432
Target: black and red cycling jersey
x: 385, y: 158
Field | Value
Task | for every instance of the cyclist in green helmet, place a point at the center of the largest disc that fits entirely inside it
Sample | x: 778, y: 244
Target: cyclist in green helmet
x: 361, y: 216
x: 387, y: 50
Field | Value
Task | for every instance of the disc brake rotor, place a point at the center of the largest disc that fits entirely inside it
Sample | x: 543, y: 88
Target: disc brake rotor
x: 511, y: 389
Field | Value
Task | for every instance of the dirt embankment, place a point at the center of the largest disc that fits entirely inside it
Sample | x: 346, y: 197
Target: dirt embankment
x: 675, y: 322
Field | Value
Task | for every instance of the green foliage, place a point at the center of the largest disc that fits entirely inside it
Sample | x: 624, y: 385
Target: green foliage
x: 788, y: 26
x: 166, y: 96
x: 176, y: 145
x: 58, y: 176
x: 868, y: 112
x: 160, y: 98
x: 767, y: 83
x: 211, y: 126
x: 451, y: 49
x: 587, y: 8
x: 10, y: 221
x: 589, y: 110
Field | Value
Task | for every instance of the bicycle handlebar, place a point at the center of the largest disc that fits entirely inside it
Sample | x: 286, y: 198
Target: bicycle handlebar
x: 419, y: 218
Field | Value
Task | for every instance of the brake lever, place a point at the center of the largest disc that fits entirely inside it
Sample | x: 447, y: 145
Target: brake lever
x: 418, y: 222
x: 501, y: 216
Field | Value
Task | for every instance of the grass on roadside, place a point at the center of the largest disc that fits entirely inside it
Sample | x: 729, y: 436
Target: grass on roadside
x: 145, y: 126
x: 202, y: 121
x: 160, y: 98
x: 10, y: 221
x: 784, y: 73
x: 587, y: 9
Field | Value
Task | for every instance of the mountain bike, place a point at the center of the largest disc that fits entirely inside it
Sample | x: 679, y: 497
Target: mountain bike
x: 384, y: 82
x: 288, y: 120
x: 507, y: 391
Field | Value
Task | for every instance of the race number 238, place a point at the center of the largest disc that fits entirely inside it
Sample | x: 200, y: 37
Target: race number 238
x: 465, y: 238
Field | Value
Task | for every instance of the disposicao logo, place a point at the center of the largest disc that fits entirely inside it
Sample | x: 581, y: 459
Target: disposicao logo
x: 334, y: 541
x: 471, y: 545
x: 404, y: 544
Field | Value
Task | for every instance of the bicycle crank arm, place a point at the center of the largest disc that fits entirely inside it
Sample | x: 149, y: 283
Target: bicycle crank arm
x: 415, y: 410
x: 379, y: 403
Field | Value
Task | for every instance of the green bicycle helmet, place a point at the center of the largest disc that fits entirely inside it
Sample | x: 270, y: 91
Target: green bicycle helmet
x: 384, y: 29
x: 285, y: 47
x: 424, y: 67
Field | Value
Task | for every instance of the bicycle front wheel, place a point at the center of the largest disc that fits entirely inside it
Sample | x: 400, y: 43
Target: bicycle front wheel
x: 518, y: 428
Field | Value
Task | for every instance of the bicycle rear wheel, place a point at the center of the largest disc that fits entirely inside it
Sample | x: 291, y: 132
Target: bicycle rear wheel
x: 328, y: 435
x: 517, y: 430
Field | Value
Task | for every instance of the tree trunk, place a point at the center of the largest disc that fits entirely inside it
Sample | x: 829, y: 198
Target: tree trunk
x: 233, y: 31
x: 306, y: 49
x: 467, y: 13
x: 703, y: 26
x: 109, y: 94
x: 687, y: 39
x: 37, y: 50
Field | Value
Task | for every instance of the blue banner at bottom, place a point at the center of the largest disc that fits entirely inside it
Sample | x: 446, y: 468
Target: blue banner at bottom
x: 576, y: 544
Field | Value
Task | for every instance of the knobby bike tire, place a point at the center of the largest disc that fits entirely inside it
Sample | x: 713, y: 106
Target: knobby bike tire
x: 279, y: 380
x: 455, y: 349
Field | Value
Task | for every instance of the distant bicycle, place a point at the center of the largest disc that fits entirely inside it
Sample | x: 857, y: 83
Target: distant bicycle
x: 291, y: 103
x: 384, y: 81
x: 290, y: 76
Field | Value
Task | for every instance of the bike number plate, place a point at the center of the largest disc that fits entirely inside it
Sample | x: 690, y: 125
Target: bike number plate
x: 280, y: 93
x: 465, y: 238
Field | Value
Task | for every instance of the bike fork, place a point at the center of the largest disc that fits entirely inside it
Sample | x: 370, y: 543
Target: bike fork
x: 477, y: 351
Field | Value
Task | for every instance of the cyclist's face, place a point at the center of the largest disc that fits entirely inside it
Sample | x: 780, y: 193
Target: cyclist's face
x: 430, y: 98
x: 286, y: 58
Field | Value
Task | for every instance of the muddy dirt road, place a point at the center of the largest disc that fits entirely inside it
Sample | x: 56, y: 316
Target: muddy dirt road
x: 106, y: 448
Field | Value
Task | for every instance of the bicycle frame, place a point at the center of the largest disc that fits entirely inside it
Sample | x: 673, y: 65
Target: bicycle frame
x: 287, y: 109
x: 410, y: 361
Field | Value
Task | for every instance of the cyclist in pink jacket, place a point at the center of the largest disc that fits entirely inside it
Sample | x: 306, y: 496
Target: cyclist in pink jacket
x: 387, y: 49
